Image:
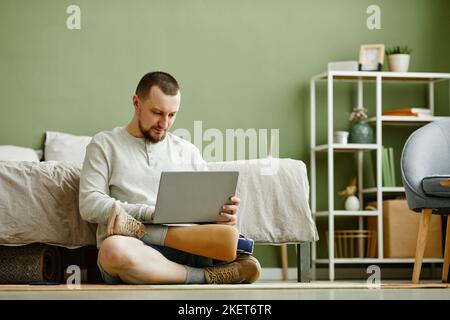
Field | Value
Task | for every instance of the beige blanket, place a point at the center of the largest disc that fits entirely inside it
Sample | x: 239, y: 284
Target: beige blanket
x: 274, y: 195
x: 39, y: 203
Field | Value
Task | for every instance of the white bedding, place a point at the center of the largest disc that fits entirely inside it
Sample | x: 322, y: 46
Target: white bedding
x: 39, y: 203
x: 274, y: 195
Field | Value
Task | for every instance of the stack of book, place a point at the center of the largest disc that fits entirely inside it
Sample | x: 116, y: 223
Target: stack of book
x: 388, y: 175
x: 388, y: 167
x: 409, y: 112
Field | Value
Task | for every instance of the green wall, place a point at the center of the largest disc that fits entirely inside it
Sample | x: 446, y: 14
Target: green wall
x: 241, y: 64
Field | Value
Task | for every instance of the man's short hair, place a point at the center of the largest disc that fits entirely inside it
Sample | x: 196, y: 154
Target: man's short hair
x: 163, y: 80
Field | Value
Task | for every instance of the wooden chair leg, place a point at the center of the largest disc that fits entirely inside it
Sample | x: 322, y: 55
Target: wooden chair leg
x: 446, y: 253
x: 421, y: 243
x: 284, y: 261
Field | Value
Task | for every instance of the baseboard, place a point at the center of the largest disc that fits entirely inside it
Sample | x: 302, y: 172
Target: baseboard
x: 392, y: 272
x: 277, y: 274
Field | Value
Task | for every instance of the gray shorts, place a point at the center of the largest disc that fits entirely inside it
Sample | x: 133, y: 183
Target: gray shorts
x: 171, y: 254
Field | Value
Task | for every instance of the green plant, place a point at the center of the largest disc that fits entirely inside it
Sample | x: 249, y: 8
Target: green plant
x: 398, y: 50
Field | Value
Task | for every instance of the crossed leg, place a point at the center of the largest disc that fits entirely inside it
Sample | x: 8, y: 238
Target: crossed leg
x: 136, y: 263
x: 215, y: 241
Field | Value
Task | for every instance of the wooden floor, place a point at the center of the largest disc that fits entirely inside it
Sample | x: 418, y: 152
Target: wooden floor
x: 285, y: 285
x: 283, y: 290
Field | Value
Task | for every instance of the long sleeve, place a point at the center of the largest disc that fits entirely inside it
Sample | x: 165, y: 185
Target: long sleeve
x: 198, y: 163
x: 94, y: 197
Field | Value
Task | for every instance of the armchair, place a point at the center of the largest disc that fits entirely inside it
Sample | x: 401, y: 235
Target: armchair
x: 425, y: 168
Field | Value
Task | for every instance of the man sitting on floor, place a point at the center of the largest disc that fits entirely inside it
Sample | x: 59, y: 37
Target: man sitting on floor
x: 118, y: 188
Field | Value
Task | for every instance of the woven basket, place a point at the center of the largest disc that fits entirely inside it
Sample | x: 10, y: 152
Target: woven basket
x: 354, y: 243
x: 30, y: 263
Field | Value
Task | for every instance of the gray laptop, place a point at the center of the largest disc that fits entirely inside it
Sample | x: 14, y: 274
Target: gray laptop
x: 193, y: 196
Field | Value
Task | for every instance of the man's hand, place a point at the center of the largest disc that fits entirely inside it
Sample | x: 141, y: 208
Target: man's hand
x: 231, y: 211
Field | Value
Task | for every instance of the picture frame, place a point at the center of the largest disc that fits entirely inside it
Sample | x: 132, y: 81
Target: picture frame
x: 371, y: 57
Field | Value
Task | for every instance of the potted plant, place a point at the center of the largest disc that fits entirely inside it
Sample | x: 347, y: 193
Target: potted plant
x: 361, y: 131
x: 399, y: 58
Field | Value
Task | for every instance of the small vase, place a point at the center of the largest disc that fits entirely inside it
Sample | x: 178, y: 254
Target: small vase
x: 361, y: 132
x: 352, y: 203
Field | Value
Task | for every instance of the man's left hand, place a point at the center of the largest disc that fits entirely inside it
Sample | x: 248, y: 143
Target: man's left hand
x: 230, y: 211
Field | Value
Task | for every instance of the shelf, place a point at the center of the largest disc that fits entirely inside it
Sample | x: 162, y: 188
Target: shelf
x: 375, y: 80
x: 345, y: 213
x: 405, y: 120
x: 349, y: 147
x: 376, y: 260
x: 385, y: 76
x: 385, y: 190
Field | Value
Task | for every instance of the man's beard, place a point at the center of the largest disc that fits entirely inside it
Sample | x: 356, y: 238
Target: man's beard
x: 148, y: 136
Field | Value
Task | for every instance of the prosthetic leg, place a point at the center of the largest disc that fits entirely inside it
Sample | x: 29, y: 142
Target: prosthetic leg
x: 209, y: 240
x: 214, y: 241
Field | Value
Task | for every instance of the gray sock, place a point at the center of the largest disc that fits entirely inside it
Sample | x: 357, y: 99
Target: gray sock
x: 155, y: 234
x: 195, y: 275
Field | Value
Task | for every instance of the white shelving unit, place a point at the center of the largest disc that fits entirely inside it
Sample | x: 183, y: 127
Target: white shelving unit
x: 330, y: 148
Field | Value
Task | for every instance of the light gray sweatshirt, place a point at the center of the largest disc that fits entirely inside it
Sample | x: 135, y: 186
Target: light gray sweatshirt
x: 121, y: 167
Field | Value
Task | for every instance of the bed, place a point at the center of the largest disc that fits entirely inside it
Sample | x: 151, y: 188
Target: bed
x: 39, y: 203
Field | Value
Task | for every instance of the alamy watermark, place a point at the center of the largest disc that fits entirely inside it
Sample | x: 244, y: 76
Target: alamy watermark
x: 74, y: 280
x: 374, y: 280
x: 373, y: 22
x: 73, y: 21
x: 257, y: 146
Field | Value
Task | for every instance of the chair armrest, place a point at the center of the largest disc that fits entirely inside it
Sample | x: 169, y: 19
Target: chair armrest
x: 445, y: 182
x: 437, y: 186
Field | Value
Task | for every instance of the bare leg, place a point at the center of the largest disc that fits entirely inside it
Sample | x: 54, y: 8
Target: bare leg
x: 136, y: 263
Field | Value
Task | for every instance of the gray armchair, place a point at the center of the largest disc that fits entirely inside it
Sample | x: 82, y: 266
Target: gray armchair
x: 425, y: 167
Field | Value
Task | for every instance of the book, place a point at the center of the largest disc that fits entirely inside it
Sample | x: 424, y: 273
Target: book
x: 418, y: 112
x: 388, y: 167
x: 417, y: 115
x: 385, y: 168
x: 392, y: 166
x: 388, y: 176
x: 343, y: 66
